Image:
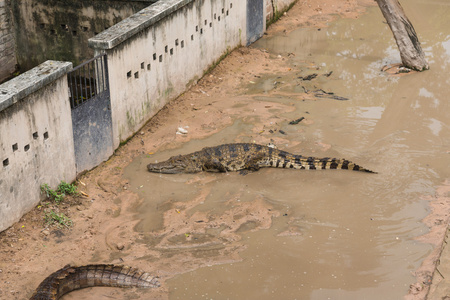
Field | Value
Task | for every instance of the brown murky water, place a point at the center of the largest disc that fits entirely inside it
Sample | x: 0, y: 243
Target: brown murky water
x: 330, y: 234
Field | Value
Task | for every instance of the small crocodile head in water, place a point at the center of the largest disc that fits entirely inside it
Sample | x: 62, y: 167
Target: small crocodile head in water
x: 174, y: 165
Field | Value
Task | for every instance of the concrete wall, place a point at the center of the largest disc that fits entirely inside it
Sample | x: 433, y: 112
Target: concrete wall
x: 59, y: 29
x: 36, y: 143
x: 7, y: 42
x: 157, y: 53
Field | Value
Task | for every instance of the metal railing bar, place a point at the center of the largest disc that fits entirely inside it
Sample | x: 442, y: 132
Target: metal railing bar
x: 74, y: 76
x: 80, y: 86
x: 96, y: 77
x: 102, y: 68
x: 89, y: 80
x: 92, y: 79
x: 105, y: 73
x: 85, y: 83
x: 69, y: 79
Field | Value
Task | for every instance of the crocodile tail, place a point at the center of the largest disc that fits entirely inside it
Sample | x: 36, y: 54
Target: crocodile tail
x: 71, y: 278
x: 334, y: 163
x: 355, y: 167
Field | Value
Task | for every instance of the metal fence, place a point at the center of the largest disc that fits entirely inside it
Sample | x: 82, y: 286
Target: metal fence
x: 88, y: 80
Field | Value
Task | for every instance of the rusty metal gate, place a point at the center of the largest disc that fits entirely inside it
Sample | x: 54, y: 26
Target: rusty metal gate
x: 91, y: 112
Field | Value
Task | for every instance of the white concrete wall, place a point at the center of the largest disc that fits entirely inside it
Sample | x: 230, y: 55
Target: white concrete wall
x: 36, y: 140
x: 187, y: 41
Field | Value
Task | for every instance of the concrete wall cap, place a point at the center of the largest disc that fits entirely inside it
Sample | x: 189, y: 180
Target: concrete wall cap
x: 125, y: 29
x: 27, y: 83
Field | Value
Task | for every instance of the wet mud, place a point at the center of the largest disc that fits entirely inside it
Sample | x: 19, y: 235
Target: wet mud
x: 314, y: 86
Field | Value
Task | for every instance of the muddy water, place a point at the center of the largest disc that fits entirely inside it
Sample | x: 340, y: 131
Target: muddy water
x: 332, y: 234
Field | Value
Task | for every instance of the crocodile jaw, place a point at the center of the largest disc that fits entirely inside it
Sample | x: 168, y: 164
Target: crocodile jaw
x: 165, y: 169
x: 173, y: 165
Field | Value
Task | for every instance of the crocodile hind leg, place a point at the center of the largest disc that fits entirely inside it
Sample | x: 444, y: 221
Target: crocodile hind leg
x: 251, y: 165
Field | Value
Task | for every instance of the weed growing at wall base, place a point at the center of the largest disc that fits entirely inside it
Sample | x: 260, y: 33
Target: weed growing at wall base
x: 52, y: 218
x: 62, y: 190
x: 60, y: 220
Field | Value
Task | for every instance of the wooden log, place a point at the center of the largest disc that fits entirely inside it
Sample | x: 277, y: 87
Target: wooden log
x: 405, y: 36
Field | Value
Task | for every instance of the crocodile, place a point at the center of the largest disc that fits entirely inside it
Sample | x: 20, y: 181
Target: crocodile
x: 72, y: 278
x: 246, y: 157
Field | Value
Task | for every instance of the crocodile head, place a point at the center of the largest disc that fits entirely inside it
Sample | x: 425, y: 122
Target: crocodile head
x: 174, y: 165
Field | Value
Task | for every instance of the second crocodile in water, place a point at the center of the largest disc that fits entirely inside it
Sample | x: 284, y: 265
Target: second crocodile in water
x: 246, y: 156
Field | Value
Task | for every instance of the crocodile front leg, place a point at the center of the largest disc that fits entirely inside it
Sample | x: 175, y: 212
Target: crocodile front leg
x: 214, y: 165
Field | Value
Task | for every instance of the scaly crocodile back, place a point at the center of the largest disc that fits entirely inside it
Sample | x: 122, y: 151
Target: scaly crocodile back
x: 246, y: 156
x: 70, y: 278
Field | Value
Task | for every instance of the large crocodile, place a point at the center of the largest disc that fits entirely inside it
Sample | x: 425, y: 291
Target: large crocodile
x: 246, y: 157
x: 70, y: 278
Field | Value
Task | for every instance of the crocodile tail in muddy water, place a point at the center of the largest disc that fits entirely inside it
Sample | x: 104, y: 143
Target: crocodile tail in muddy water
x: 246, y: 156
x: 70, y: 278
